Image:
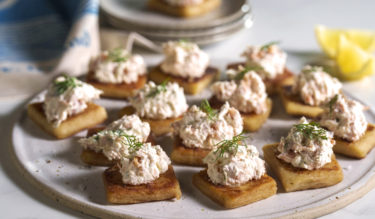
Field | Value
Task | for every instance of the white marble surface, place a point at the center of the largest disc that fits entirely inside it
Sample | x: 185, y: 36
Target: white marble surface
x: 290, y: 21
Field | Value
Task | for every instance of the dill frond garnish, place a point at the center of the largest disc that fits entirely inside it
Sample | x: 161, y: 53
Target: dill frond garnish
x: 205, y: 107
x: 239, y: 76
x: 131, y: 140
x: 158, y: 89
x: 312, y: 69
x: 268, y: 45
x: 229, y: 145
x: 312, y: 131
x: 185, y: 43
x: 332, y: 102
x: 62, y: 86
x: 116, y: 55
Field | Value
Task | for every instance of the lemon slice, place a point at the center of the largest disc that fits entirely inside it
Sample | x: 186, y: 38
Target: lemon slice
x: 368, y: 69
x: 328, y: 39
x: 364, y: 39
x: 353, y: 62
x: 350, y: 57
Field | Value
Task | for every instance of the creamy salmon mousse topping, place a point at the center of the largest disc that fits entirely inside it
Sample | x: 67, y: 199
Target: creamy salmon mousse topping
x: 183, y: 2
x: 67, y: 96
x: 163, y: 101
x: 114, y: 140
x: 269, y: 58
x: 132, y: 125
x: 247, y: 92
x: 145, y: 164
x: 118, y: 66
x: 345, y: 118
x: 307, y: 146
x: 234, y: 163
x: 184, y: 59
x: 204, y: 127
x: 315, y: 87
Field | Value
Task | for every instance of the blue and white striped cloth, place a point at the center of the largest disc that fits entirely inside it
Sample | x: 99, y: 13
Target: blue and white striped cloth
x: 42, y: 38
x: 35, y: 34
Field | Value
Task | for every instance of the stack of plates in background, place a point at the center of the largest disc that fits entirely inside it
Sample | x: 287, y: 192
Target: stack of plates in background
x: 133, y: 15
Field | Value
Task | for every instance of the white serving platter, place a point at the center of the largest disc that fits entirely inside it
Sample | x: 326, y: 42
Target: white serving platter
x: 54, y: 167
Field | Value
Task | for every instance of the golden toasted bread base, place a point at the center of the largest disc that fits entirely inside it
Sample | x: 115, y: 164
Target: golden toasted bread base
x: 294, y: 106
x: 163, y: 188
x: 188, y: 156
x: 190, y: 87
x: 272, y: 86
x: 253, y: 122
x: 294, y: 179
x: 90, y: 117
x: 357, y: 149
x: 94, y: 158
x: 234, y: 197
x: 184, y: 11
x: 158, y: 127
x: 117, y: 90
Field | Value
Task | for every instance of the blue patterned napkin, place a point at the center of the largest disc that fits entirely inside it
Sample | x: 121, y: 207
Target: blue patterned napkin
x: 42, y: 38
x: 37, y: 35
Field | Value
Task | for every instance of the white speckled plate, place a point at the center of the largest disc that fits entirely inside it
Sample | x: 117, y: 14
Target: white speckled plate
x: 54, y: 167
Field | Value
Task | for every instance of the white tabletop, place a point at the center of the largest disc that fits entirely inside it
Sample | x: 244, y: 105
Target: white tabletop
x: 290, y: 21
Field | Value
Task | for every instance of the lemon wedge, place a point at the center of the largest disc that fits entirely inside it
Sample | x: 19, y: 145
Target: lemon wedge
x: 362, y: 38
x: 368, y: 69
x: 351, y: 49
x: 353, y: 62
x: 350, y: 57
x: 328, y: 39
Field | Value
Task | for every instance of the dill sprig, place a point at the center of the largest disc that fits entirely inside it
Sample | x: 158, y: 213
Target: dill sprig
x: 205, y: 107
x: 68, y: 82
x: 131, y: 140
x: 239, y: 76
x: 268, y: 45
x: 332, y: 102
x: 116, y: 55
x: 312, y: 131
x: 312, y: 69
x: 158, y: 89
x: 185, y: 43
x: 229, y: 145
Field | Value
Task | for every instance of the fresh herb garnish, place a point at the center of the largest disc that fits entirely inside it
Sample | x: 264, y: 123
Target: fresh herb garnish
x: 130, y: 140
x: 312, y: 131
x: 241, y: 74
x: 185, y: 43
x: 229, y: 145
x: 205, y: 107
x: 68, y: 82
x: 332, y: 102
x: 158, y: 89
x: 116, y: 55
x: 312, y: 69
x: 268, y: 45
